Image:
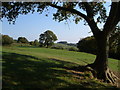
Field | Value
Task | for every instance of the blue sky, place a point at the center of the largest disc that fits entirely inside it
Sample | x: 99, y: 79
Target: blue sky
x: 32, y: 25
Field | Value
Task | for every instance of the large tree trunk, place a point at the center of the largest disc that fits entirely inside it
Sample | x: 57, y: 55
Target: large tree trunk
x: 100, y: 65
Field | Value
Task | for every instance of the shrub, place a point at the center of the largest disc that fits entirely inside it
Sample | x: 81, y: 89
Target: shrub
x: 64, y: 47
x: 88, y: 45
x: 6, y: 40
x: 31, y: 43
x: 36, y: 43
x: 22, y: 40
x: 58, y: 46
x: 47, y: 39
x: 73, y: 49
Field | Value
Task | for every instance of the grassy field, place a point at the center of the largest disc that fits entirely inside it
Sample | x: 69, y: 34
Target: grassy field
x: 30, y: 67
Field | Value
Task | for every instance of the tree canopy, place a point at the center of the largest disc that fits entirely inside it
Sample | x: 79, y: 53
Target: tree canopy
x: 11, y: 10
x: 36, y: 43
x: 22, y: 40
x: 91, y: 12
x: 47, y: 38
x: 7, y: 40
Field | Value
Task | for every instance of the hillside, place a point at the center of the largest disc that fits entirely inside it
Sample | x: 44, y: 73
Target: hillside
x: 30, y: 67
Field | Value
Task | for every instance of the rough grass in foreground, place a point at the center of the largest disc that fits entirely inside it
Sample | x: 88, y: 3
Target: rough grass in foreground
x: 46, y: 69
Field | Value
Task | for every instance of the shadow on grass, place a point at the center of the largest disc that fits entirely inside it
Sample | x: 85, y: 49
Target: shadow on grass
x: 25, y: 71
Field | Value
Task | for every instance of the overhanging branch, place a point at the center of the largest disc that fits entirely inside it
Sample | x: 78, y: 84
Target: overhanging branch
x: 70, y: 10
x: 113, y: 19
x: 88, y: 9
x: 89, y: 20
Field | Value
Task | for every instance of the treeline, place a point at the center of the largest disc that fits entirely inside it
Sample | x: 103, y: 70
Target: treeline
x: 88, y: 45
x: 46, y: 39
x: 6, y: 40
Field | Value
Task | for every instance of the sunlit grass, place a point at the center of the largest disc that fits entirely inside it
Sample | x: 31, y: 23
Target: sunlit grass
x: 28, y: 67
x: 70, y: 56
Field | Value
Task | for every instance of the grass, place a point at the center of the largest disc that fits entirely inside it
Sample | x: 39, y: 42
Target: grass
x: 30, y: 67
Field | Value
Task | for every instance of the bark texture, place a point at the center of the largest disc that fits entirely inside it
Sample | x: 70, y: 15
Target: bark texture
x: 100, y: 65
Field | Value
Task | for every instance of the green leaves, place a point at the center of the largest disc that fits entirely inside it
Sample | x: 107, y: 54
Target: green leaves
x: 11, y: 10
x: 6, y: 40
x: 47, y: 39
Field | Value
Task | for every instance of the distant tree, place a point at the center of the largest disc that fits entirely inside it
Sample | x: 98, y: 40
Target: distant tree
x: 88, y: 45
x: 31, y: 42
x: 91, y: 12
x: 47, y: 39
x: 22, y: 40
x: 6, y: 40
x: 115, y: 43
x: 15, y: 41
x: 36, y: 43
x: 72, y: 44
x: 62, y: 42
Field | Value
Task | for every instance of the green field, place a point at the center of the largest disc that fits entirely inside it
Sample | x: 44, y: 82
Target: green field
x: 30, y: 67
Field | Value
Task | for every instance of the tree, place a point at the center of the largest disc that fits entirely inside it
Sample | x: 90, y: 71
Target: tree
x: 88, y: 45
x: 31, y: 42
x: 94, y: 13
x: 114, y: 43
x: 36, y: 43
x: 47, y: 39
x: 63, y: 42
x: 6, y: 40
x: 22, y: 40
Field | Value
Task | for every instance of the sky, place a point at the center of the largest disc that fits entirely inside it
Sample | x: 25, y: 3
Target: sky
x: 32, y: 25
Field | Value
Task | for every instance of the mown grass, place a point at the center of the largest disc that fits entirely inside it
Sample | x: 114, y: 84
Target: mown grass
x: 30, y: 67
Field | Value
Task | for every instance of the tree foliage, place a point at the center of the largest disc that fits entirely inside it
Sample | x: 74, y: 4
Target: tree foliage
x: 22, y: 40
x: 36, y: 43
x: 11, y: 10
x: 91, y: 12
x: 7, y: 40
x: 47, y: 39
x: 115, y: 43
x: 88, y: 45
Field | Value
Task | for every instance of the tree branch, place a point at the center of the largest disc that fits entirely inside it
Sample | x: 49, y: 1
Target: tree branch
x: 70, y: 10
x: 113, y: 19
x: 91, y: 22
x: 88, y: 9
x: 89, y: 18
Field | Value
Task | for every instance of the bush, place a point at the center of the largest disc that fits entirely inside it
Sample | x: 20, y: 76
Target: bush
x: 36, y: 43
x: 64, y: 47
x: 31, y: 43
x: 22, y: 40
x: 88, y: 45
x: 47, y: 39
x: 6, y: 40
x: 58, y: 46
x: 73, y: 49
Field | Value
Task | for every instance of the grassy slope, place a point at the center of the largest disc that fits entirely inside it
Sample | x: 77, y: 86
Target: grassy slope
x: 0, y: 67
x: 44, y: 68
